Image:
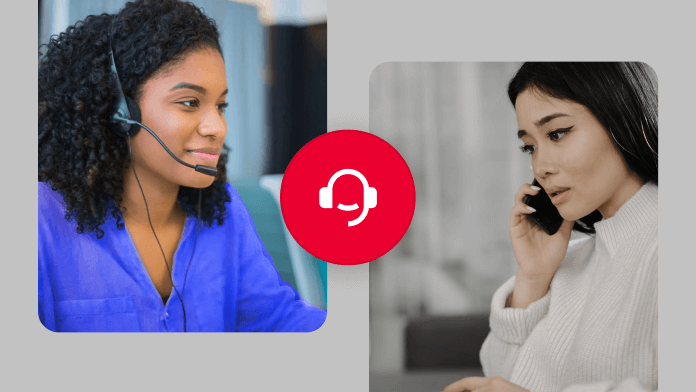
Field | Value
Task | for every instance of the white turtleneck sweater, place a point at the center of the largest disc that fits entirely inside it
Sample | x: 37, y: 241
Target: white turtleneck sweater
x: 595, y: 330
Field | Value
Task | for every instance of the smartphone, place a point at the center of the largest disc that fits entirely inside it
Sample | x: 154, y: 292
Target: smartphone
x: 546, y: 215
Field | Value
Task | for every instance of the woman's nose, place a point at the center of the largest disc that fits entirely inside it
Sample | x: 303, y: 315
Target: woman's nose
x: 543, y: 165
x: 213, y: 124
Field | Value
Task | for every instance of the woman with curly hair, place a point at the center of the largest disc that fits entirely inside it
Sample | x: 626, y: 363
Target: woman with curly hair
x: 580, y: 314
x: 122, y: 225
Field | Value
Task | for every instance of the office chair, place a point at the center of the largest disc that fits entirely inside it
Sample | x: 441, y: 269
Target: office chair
x: 301, y: 270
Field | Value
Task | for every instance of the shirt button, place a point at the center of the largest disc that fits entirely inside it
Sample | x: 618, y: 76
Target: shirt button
x: 166, y: 314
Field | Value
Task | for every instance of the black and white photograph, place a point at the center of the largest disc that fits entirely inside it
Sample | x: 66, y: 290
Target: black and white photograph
x: 531, y: 261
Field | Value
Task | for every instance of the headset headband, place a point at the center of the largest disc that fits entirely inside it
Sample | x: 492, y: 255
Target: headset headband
x: 348, y: 171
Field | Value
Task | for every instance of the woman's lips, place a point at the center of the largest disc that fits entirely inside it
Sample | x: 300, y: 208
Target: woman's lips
x: 560, y: 197
x: 211, y: 157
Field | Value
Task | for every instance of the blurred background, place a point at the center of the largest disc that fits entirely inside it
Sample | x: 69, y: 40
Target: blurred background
x: 430, y: 296
x: 275, y: 55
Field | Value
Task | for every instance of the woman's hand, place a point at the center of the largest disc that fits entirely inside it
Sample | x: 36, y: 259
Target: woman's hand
x: 538, y: 254
x: 484, y: 384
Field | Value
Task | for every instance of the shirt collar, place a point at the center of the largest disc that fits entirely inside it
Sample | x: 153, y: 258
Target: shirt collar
x: 632, y: 216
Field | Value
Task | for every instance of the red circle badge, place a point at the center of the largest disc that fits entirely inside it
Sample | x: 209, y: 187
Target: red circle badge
x: 347, y: 197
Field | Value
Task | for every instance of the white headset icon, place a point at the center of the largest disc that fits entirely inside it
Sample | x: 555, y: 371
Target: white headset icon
x: 369, y: 195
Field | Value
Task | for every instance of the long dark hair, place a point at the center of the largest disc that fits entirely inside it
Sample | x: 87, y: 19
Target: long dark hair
x: 623, y: 98
x: 79, y: 155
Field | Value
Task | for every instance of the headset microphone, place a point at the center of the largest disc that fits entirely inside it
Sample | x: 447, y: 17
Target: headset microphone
x: 209, y: 170
x: 126, y: 121
x: 369, y: 195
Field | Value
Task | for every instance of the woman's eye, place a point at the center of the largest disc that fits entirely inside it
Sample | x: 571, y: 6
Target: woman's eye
x: 558, y: 134
x: 527, y: 149
x: 223, y: 106
x: 190, y: 103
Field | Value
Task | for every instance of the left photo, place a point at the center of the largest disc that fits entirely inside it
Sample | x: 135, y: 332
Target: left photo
x: 164, y: 131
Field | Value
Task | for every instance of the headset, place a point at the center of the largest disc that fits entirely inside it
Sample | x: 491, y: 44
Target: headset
x: 369, y: 195
x: 126, y: 123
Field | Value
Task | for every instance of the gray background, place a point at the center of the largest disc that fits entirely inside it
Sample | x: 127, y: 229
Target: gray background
x: 454, y: 126
x: 456, y: 129
x: 362, y: 34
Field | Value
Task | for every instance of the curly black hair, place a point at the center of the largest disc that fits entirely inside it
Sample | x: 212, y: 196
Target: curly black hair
x: 79, y: 155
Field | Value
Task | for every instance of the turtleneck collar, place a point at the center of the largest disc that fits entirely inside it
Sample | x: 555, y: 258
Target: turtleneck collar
x: 631, y: 217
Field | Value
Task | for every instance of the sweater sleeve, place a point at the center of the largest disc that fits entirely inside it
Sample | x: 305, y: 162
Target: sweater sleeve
x: 630, y: 384
x: 510, y: 328
x: 265, y: 302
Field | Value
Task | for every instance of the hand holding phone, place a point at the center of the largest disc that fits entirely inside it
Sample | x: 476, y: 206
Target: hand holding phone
x: 539, y: 240
x: 546, y: 215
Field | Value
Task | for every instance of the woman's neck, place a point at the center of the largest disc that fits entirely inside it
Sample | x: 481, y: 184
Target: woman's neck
x: 629, y: 187
x: 162, y: 203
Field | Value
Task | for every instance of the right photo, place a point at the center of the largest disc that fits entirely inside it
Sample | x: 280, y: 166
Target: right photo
x: 531, y: 260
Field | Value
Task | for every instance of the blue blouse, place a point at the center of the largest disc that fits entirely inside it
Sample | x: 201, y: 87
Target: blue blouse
x: 100, y: 285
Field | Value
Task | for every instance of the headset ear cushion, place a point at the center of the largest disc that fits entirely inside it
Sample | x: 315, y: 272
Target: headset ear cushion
x: 370, y: 197
x: 134, y: 115
x: 325, y: 197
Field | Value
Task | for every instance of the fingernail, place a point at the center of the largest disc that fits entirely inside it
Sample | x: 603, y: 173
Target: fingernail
x: 531, y: 209
x: 536, y: 188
